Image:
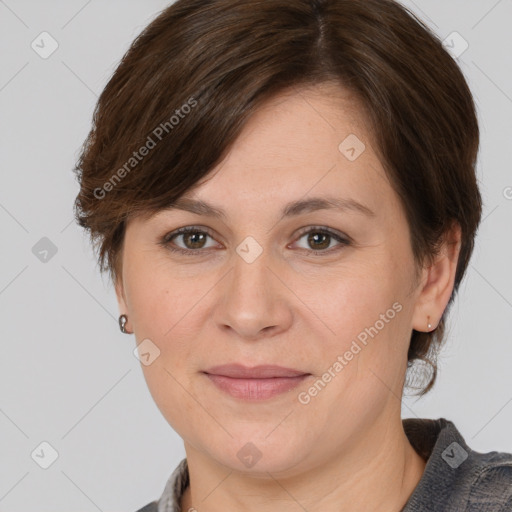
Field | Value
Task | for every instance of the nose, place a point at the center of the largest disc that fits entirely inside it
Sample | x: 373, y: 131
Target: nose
x: 253, y: 302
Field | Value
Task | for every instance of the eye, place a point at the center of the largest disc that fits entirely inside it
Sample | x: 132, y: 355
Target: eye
x: 319, y: 240
x: 194, y: 240
x: 192, y: 237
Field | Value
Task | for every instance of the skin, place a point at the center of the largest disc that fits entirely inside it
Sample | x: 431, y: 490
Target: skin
x: 346, y: 449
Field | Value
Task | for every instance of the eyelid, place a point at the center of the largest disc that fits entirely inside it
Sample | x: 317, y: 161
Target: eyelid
x: 341, y: 238
x: 323, y: 229
x: 166, y: 239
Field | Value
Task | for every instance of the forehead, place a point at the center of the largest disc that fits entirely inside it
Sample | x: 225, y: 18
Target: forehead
x: 303, y: 150
x: 299, y: 143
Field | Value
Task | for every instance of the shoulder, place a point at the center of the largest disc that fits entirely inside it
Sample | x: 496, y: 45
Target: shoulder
x: 457, y: 477
x: 484, y: 478
x: 492, y: 481
x: 173, y: 491
x: 150, y: 507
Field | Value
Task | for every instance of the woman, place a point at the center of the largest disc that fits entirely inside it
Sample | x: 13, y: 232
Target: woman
x: 284, y: 195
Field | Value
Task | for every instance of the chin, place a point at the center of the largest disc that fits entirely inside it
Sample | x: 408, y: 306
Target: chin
x: 259, y: 456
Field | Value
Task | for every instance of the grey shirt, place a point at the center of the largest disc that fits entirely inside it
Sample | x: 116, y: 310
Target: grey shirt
x: 456, y: 478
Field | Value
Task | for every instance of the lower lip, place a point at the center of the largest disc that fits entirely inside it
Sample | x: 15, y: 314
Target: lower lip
x: 256, y: 389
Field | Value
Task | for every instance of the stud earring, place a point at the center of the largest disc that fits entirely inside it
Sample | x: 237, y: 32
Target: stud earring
x: 122, y: 323
x: 429, y: 325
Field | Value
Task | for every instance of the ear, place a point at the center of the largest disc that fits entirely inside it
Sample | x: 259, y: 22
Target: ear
x: 437, y: 282
x: 121, y: 300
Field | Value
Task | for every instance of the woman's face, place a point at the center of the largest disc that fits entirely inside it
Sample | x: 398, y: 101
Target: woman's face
x: 327, y: 291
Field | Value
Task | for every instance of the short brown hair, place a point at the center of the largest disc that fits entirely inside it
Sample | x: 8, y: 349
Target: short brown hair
x: 202, y: 67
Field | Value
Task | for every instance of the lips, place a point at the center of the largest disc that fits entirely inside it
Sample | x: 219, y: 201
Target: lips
x: 257, y: 383
x: 238, y: 371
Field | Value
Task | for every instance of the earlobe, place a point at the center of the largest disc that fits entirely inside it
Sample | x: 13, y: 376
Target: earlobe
x: 438, y: 284
x: 123, y: 309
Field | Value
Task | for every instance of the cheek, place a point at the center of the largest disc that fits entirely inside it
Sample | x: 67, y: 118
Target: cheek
x: 167, y: 308
x: 157, y: 297
x: 162, y: 307
x: 351, y: 297
x: 363, y: 311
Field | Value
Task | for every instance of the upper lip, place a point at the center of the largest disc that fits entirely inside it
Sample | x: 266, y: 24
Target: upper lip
x: 239, y: 371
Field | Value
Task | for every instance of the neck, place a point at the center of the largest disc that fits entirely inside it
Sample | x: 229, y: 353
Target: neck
x: 379, y: 473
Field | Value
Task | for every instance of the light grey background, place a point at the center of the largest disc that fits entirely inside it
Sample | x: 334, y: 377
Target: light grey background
x: 67, y: 374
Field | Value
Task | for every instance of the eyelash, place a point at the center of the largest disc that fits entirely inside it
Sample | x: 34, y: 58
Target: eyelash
x: 166, y: 240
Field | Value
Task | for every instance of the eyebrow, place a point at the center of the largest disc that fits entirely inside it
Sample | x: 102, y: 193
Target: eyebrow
x: 290, y: 210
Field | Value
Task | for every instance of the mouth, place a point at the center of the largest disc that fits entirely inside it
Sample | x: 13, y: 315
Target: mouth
x: 256, y: 383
